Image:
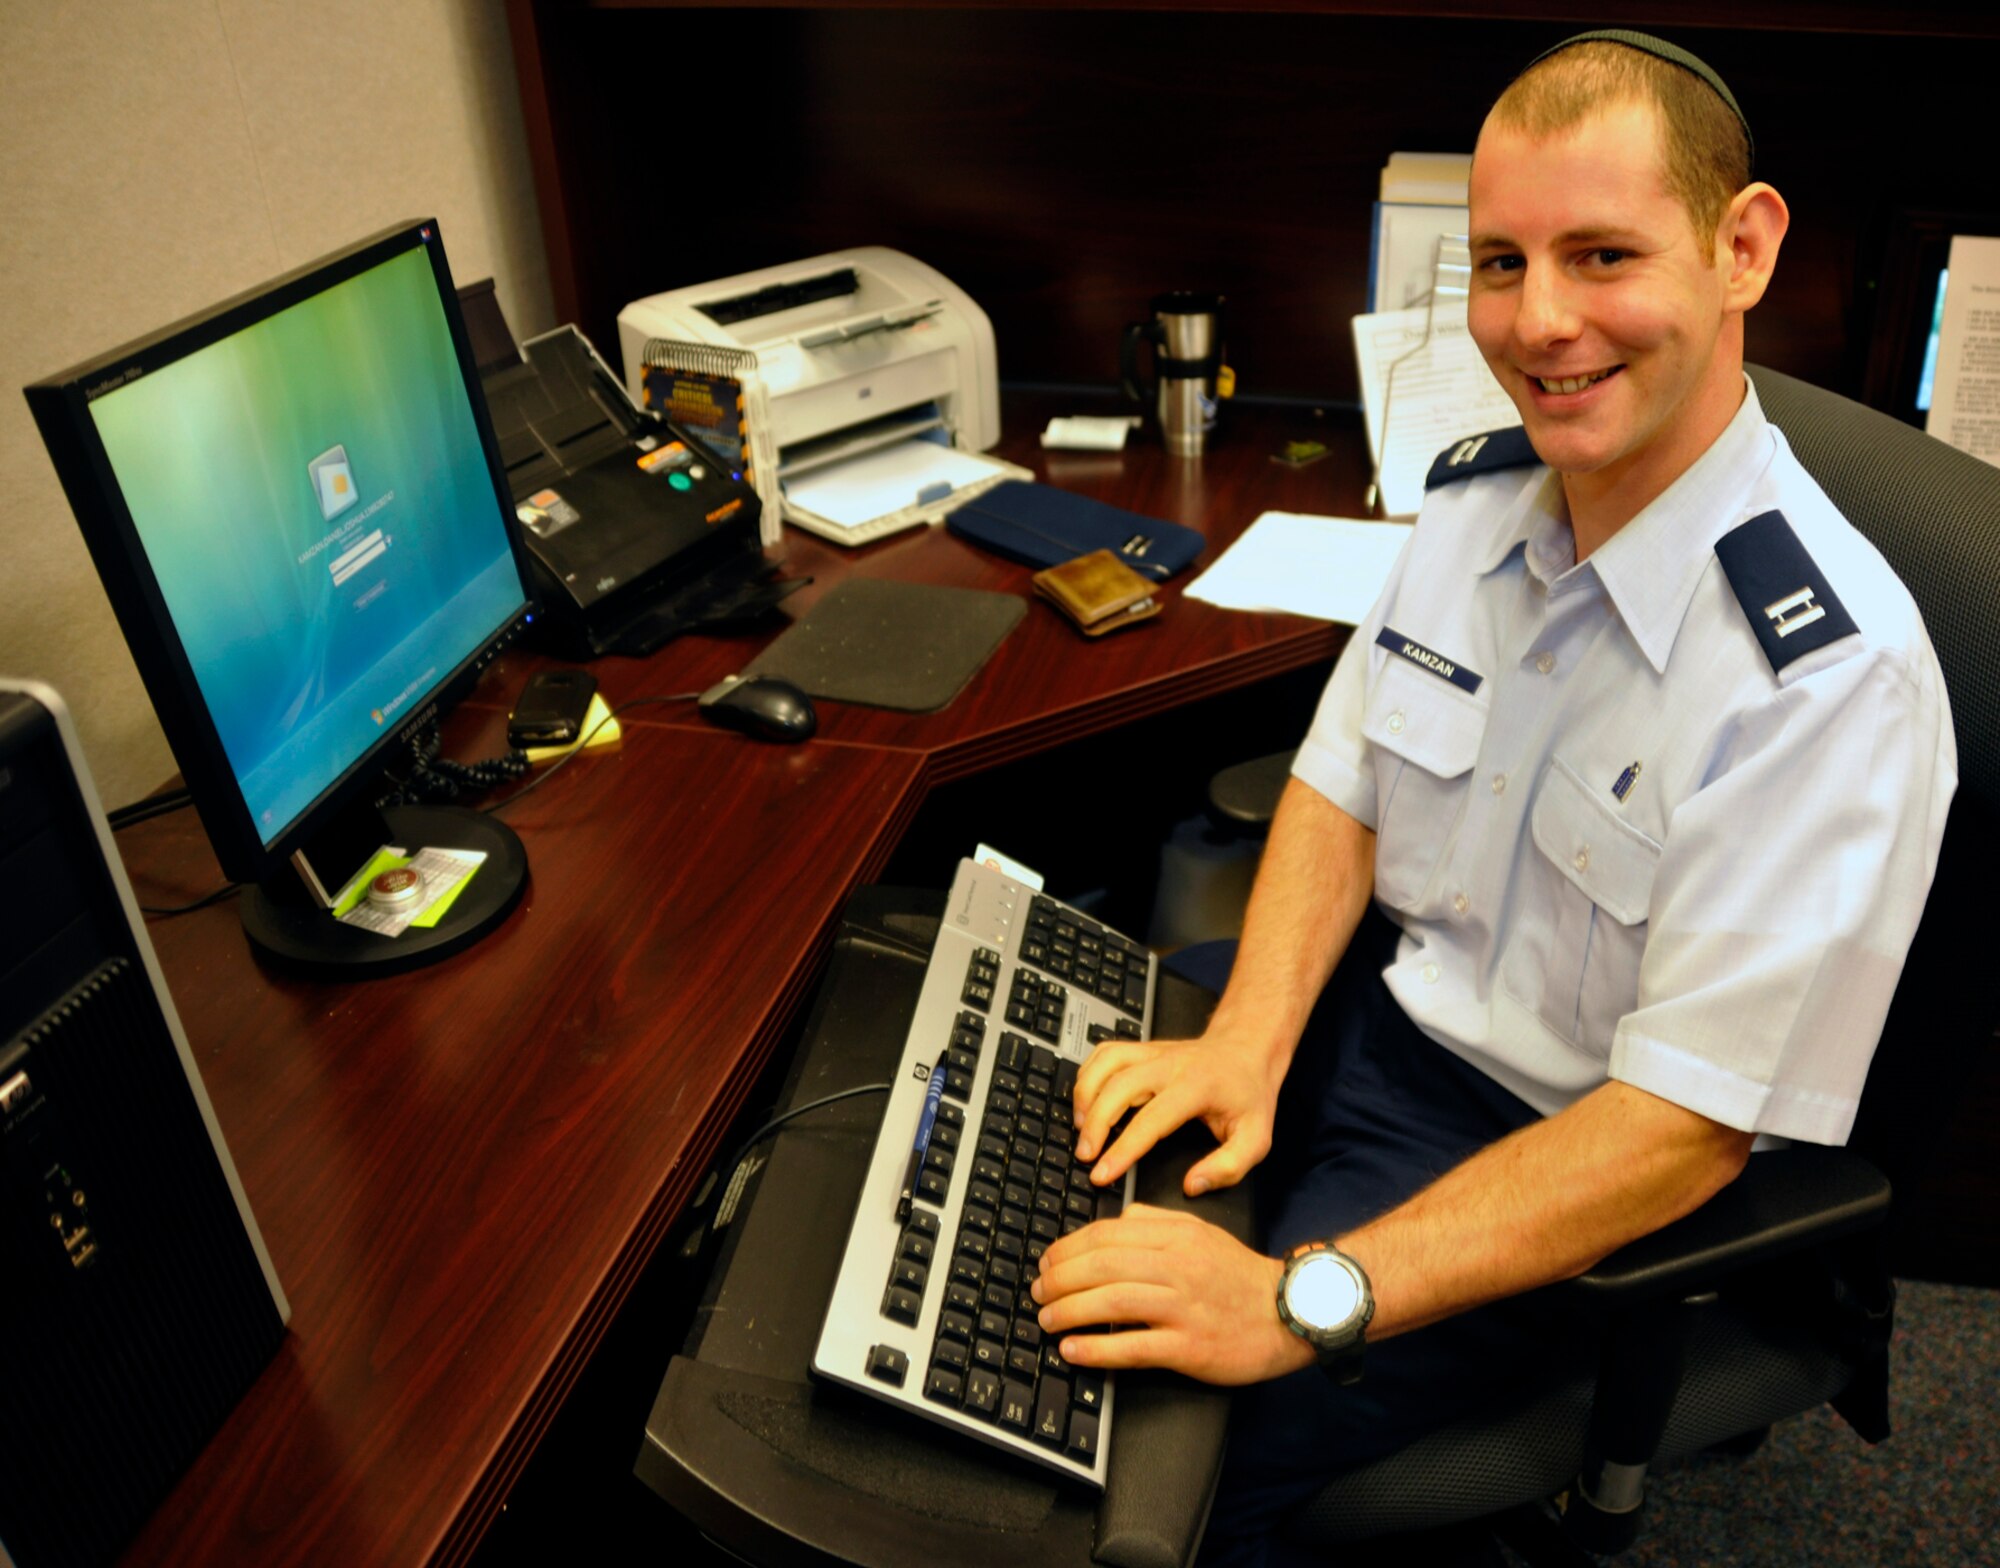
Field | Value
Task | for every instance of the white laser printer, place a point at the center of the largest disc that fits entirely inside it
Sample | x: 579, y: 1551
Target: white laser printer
x: 856, y: 390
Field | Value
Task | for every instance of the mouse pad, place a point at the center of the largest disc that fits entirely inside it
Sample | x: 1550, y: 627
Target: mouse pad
x: 908, y: 646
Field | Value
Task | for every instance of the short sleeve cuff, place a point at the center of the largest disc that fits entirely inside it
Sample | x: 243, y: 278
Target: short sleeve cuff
x: 1728, y: 1097
x: 1348, y: 783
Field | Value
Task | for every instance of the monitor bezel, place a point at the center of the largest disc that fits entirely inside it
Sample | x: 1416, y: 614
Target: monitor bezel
x: 61, y: 406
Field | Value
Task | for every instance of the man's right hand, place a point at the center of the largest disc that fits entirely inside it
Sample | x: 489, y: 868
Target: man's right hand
x: 1228, y: 1081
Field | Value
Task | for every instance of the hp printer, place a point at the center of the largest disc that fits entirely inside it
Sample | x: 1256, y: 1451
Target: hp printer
x: 856, y: 390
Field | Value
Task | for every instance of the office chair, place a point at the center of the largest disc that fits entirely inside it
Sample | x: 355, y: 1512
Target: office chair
x: 1776, y: 1296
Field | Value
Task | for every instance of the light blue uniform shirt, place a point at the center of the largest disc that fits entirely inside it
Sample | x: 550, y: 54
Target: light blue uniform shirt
x: 1619, y: 843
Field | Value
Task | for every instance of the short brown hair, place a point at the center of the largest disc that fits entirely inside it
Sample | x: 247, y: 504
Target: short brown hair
x: 1704, y: 154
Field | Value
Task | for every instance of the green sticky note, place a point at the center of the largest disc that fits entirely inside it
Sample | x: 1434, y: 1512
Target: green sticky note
x: 435, y: 913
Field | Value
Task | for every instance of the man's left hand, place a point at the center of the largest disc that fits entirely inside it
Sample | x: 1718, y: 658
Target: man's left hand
x: 1185, y: 1295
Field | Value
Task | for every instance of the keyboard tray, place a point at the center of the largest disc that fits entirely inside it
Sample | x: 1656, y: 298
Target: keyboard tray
x: 783, y: 1469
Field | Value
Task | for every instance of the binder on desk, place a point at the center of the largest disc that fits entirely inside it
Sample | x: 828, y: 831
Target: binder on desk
x: 1039, y: 525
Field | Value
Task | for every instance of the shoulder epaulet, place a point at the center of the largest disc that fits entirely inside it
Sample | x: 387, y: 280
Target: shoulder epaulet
x: 1783, y: 592
x: 1485, y: 454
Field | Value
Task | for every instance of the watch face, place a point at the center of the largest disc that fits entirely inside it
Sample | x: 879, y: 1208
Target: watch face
x: 1323, y: 1293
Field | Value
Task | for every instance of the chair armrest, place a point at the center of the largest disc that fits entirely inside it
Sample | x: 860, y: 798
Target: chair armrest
x: 1245, y: 796
x: 1783, y: 1202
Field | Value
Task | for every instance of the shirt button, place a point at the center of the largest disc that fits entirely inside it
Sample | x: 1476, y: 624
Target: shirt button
x: 1396, y: 722
x: 1582, y: 859
x: 1499, y: 783
x: 1460, y: 902
x: 1430, y: 973
x: 1545, y: 662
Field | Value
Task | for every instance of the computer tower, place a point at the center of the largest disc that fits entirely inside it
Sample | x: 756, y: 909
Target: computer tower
x: 137, y: 1301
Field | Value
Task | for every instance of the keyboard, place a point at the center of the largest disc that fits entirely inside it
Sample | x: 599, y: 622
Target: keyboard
x: 931, y: 1310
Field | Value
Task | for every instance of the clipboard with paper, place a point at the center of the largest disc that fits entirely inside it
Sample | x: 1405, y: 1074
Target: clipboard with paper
x: 1424, y: 384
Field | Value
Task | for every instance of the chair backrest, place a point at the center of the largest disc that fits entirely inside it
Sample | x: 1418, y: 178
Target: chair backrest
x: 1934, y: 513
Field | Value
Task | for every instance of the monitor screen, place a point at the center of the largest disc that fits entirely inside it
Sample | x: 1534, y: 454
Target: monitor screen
x: 298, y: 512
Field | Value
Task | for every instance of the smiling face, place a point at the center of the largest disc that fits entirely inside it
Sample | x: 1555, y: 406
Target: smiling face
x: 1616, y: 330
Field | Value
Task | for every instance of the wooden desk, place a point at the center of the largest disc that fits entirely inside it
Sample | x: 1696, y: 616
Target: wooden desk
x: 461, y: 1172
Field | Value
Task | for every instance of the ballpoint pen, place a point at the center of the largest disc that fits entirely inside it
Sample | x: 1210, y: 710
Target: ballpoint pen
x: 922, y: 1146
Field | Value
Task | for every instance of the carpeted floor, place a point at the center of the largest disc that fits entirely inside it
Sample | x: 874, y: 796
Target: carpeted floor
x: 1815, y: 1494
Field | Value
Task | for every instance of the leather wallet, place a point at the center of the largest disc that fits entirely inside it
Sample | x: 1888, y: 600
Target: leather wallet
x: 1098, y: 592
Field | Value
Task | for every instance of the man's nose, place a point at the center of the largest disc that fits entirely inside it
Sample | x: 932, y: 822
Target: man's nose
x: 1548, y: 313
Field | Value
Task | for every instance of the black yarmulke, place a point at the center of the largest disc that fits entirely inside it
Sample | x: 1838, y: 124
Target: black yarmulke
x: 1660, y: 49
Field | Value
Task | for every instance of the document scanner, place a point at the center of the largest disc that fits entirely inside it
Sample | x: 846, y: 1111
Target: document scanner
x: 854, y: 390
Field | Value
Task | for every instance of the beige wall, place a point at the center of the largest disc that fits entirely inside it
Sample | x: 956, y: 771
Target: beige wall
x: 159, y: 155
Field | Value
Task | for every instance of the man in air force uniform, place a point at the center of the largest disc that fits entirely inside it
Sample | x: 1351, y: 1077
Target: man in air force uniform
x: 1645, y: 757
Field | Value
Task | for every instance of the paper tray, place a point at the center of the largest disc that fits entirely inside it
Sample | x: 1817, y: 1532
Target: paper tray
x: 890, y: 488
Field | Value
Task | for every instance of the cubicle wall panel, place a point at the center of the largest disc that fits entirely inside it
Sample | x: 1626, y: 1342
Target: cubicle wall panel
x: 1064, y: 165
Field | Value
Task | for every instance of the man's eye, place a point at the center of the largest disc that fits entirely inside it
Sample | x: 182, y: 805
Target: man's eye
x: 1500, y: 264
x: 1607, y: 257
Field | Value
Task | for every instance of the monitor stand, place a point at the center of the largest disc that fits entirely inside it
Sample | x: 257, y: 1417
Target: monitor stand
x: 292, y: 930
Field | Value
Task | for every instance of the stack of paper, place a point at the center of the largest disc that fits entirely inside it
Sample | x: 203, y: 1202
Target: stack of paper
x: 1331, y: 568
x: 1420, y: 394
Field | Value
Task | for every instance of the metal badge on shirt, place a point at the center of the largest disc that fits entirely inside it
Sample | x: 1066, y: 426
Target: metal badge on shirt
x: 1429, y: 659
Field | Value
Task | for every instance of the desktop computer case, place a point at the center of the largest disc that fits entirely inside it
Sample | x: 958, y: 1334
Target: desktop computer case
x: 137, y: 1301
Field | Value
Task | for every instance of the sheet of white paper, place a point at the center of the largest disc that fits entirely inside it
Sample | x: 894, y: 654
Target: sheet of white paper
x: 886, y: 480
x: 1965, y: 400
x: 1436, y: 392
x: 1331, y: 568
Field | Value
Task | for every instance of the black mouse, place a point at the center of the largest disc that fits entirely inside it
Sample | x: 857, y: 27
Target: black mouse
x: 760, y: 705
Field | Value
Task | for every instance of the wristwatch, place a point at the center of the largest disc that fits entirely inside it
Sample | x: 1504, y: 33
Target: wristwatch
x: 1325, y: 1299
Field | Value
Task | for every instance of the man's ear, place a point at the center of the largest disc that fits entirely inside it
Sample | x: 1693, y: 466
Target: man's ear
x: 1747, y: 242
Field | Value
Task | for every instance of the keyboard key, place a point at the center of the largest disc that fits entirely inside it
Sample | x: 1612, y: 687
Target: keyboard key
x: 990, y: 1354
x: 943, y: 1137
x: 1015, y: 1195
x: 1027, y: 1331
x: 889, y: 1364
x: 955, y: 1325
x: 1008, y: 1245
x: 1086, y: 1391
x: 1014, y: 1219
x: 1024, y: 1361
x: 910, y: 1274
x: 973, y: 1244
x: 987, y: 1169
x: 1020, y: 1015
x: 1051, y: 1411
x: 984, y: 1194
x: 1127, y: 1030
x: 923, y: 1222
x: 992, y: 1324
x: 1014, y: 1052
x: 1038, y: 1083
x: 933, y: 1187
x: 1065, y: 1084
x: 950, y: 1353
x: 967, y: 1271
x: 988, y: 1147
x: 1082, y: 1444
x: 938, y: 1158
x: 1004, y: 1272
x: 902, y: 1304
x: 915, y: 1246
x: 980, y: 1220
x: 961, y: 1298
x: 1053, y: 1364
x: 947, y: 1388
x: 950, y: 1114
x: 1081, y: 1206
x: 982, y: 1396
x: 980, y: 996
x: 965, y: 1061
x: 957, y: 1084
x: 1017, y: 1405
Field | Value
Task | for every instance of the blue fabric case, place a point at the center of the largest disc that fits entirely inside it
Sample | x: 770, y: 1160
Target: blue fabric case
x: 1038, y: 525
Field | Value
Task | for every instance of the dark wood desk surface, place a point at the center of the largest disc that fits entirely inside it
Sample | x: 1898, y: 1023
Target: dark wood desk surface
x: 461, y: 1172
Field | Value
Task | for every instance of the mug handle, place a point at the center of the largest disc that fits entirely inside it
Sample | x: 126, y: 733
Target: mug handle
x: 1128, y: 359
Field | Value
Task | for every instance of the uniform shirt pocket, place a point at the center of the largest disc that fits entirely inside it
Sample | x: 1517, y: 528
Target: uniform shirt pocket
x: 1426, y: 734
x: 1583, y: 928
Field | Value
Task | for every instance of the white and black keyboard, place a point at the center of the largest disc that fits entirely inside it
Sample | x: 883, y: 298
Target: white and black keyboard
x: 931, y: 1309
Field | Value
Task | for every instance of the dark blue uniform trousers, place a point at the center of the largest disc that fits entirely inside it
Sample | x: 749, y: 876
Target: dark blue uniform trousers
x: 1372, y: 1110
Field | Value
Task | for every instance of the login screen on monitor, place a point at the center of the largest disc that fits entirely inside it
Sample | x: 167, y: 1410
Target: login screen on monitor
x: 317, y: 509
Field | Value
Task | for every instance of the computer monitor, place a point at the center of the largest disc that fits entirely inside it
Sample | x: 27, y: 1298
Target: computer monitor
x: 297, y: 506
